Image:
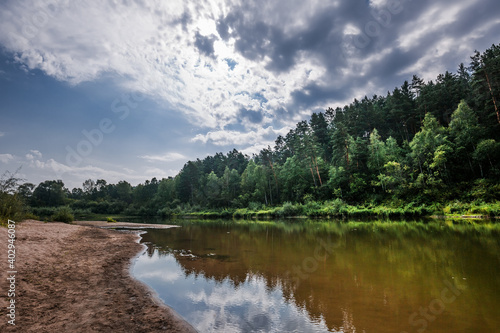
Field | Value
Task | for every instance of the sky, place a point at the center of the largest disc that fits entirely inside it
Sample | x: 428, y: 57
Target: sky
x: 133, y: 89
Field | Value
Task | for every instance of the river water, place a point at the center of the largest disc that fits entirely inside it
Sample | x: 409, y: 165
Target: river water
x: 310, y: 276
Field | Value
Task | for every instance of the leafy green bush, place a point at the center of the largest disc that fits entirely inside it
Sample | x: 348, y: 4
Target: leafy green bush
x: 11, y: 207
x: 164, y: 212
x: 63, y: 214
x: 288, y: 209
x: 312, y: 208
x: 43, y: 212
x: 336, y: 207
x: 226, y: 213
x: 242, y: 213
x: 255, y: 206
x: 264, y: 213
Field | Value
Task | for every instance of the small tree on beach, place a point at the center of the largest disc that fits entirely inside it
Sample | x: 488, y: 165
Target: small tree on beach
x: 11, y: 204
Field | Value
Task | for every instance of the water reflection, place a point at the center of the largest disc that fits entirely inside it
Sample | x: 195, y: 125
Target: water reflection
x: 213, y: 305
x: 325, y: 277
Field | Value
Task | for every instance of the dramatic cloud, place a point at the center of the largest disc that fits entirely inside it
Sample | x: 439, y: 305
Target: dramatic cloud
x: 205, y: 44
x: 240, y: 72
x: 303, y: 54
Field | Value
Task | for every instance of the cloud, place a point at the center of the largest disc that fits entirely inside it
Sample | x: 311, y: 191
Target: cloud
x: 6, y: 158
x: 256, y: 63
x: 159, y: 173
x: 205, y: 44
x: 2, y: 134
x: 255, y: 117
x: 33, y: 154
x: 145, y: 47
x: 73, y: 176
x: 232, y: 138
x: 167, y: 157
x: 52, y: 169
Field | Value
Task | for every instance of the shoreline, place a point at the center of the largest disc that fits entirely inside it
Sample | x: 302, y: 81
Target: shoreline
x: 78, y: 278
x: 153, y: 294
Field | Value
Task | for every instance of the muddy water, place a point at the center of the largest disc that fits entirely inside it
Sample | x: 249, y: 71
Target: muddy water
x: 308, y: 276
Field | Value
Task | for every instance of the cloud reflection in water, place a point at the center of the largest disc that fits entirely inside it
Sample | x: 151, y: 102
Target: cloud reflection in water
x: 222, y: 306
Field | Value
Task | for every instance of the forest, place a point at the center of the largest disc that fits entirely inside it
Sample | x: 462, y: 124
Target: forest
x: 425, y: 148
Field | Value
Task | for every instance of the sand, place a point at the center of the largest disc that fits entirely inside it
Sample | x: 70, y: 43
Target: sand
x: 76, y: 278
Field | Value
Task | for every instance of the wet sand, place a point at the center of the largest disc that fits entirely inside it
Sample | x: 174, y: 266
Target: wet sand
x: 76, y: 278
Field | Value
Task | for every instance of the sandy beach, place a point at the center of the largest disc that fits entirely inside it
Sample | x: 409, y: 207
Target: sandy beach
x: 76, y: 278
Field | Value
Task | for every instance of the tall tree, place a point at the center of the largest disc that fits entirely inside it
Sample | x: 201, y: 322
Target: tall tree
x: 187, y: 182
x: 49, y: 193
x: 465, y: 133
x: 321, y: 134
x: 486, y: 79
x: 430, y: 150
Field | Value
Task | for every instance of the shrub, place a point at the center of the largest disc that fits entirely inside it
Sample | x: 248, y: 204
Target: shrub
x: 164, y: 212
x: 264, y: 213
x: 312, y: 208
x: 241, y: 213
x: 11, y: 204
x: 336, y: 207
x: 288, y: 209
x: 63, y: 214
x: 11, y: 207
x: 43, y: 212
x: 110, y: 219
x: 226, y: 213
x: 255, y: 206
x: 143, y: 211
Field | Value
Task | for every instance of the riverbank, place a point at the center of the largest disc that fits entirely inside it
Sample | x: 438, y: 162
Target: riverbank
x: 76, y: 278
x: 338, y: 209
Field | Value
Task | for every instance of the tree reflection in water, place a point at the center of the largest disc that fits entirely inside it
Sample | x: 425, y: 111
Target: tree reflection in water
x: 268, y: 277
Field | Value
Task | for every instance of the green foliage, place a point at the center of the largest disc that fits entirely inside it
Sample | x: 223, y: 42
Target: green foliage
x: 425, y: 148
x: 165, y: 212
x: 290, y: 210
x: 11, y: 207
x: 63, y: 214
x: 11, y: 203
x: 49, y: 193
x: 110, y: 220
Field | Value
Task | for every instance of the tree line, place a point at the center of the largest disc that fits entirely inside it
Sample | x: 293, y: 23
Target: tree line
x: 422, y: 143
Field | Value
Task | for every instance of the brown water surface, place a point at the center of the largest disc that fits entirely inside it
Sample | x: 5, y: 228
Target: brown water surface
x: 308, y: 276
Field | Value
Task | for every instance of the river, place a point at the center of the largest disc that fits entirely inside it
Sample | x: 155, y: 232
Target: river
x: 313, y: 276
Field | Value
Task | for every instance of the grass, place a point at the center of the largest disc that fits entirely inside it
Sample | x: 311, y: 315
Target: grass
x: 336, y: 209
x: 332, y: 209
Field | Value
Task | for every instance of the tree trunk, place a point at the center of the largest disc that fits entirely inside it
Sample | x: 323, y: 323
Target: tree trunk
x: 471, y: 167
x: 317, y: 171
x: 347, y: 154
x: 492, y: 96
x: 270, y: 193
x: 312, y: 174
x: 275, y: 178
